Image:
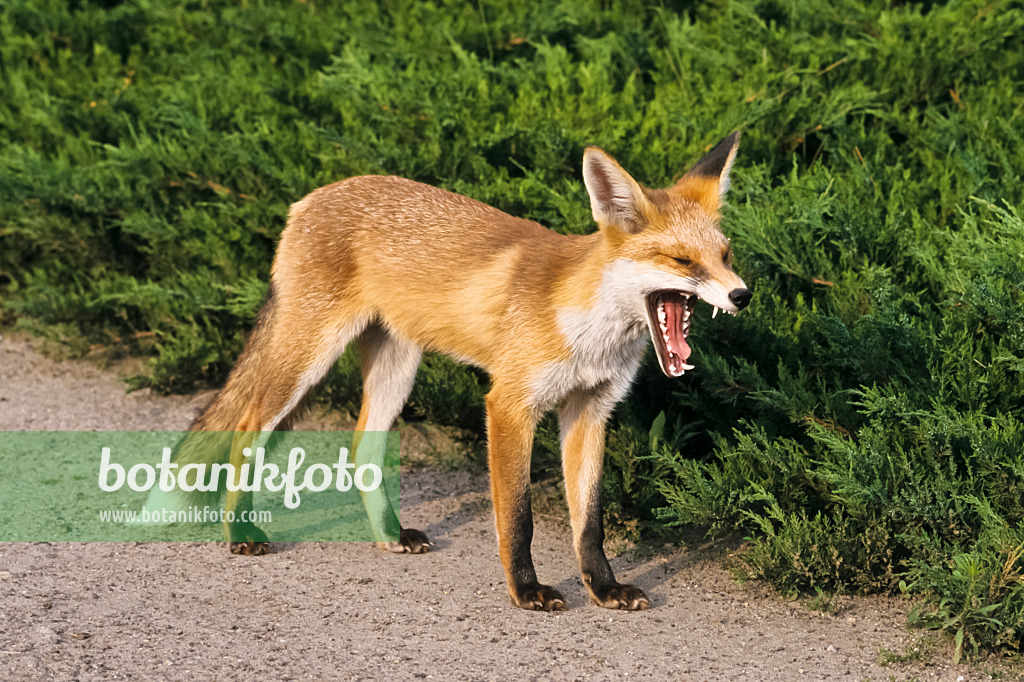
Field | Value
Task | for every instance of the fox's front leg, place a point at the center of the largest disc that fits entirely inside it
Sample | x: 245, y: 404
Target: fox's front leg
x: 582, y: 419
x: 510, y: 425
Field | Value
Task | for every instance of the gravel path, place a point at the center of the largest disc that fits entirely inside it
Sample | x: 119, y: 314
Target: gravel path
x: 349, y: 611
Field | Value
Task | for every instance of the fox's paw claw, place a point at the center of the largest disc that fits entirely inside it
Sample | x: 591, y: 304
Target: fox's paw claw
x: 618, y: 596
x: 410, y: 541
x: 537, y: 597
x: 249, y: 548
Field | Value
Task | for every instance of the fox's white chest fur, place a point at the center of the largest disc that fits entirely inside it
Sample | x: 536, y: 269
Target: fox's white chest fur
x: 607, y: 340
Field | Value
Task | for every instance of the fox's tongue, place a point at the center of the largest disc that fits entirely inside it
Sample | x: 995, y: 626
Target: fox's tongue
x: 675, y: 309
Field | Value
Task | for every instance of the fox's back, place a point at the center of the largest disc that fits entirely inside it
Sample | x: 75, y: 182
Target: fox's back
x: 440, y: 267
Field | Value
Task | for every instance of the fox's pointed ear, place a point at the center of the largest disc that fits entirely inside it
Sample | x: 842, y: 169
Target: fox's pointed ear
x: 615, y: 198
x: 708, y: 180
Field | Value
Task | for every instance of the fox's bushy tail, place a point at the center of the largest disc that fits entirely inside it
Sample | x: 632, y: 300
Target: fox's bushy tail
x: 227, y: 409
x: 210, y: 435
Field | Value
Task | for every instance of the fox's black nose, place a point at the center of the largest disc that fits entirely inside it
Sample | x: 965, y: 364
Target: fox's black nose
x: 740, y: 297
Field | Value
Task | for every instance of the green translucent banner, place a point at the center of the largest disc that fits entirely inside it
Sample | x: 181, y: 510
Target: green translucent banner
x: 174, y: 486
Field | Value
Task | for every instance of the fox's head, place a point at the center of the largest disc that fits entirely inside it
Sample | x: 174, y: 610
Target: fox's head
x: 667, y: 242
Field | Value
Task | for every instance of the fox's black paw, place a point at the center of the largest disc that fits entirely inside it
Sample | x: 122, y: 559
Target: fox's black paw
x: 618, y: 596
x: 537, y: 597
x: 249, y: 548
x: 248, y: 540
x: 410, y: 541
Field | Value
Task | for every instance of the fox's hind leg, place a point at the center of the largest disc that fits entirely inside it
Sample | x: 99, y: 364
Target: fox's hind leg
x: 389, y: 370
x: 296, y: 349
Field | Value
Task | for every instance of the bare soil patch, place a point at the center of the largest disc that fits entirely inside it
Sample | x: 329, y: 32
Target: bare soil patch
x: 349, y: 611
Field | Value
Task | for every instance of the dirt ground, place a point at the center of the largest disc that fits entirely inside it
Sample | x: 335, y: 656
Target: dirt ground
x: 348, y: 611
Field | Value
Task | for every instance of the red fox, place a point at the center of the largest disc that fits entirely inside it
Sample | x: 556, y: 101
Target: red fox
x: 557, y: 322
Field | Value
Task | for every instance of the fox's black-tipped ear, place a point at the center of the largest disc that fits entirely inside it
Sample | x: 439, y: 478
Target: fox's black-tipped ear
x: 708, y: 180
x: 615, y: 198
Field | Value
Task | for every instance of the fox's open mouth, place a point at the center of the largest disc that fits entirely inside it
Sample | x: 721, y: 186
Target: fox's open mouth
x: 670, y: 313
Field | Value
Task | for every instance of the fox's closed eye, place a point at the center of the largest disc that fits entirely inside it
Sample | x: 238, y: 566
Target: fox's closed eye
x: 683, y: 261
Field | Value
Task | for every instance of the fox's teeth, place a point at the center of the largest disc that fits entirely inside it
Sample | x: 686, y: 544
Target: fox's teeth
x: 715, y: 313
x: 686, y: 366
x: 662, y: 317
